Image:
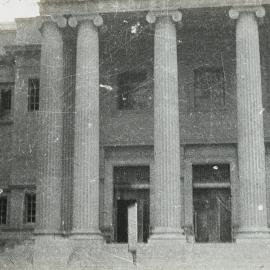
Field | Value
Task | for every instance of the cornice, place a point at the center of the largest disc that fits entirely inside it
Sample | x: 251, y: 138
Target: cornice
x: 111, y: 6
x: 8, y: 27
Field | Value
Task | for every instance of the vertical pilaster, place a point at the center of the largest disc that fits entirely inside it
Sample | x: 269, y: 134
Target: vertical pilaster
x: 51, y: 124
x: 251, y: 148
x: 167, y: 222
x: 86, y: 140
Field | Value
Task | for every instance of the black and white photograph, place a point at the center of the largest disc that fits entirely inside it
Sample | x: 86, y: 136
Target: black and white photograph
x: 134, y: 134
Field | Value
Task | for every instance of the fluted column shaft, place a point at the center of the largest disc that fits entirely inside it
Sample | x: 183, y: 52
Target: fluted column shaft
x: 68, y: 132
x: 51, y: 125
x: 86, y: 141
x: 167, y: 223
x: 251, y: 149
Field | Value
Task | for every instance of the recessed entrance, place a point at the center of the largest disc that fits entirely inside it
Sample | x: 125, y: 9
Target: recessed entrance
x: 212, y: 203
x: 131, y: 184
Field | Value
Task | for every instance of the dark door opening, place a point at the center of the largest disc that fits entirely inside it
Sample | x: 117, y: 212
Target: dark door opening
x: 122, y: 220
x: 131, y: 185
x: 212, y: 215
x: 212, y: 203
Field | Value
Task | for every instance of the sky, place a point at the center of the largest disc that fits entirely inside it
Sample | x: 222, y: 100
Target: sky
x: 10, y: 9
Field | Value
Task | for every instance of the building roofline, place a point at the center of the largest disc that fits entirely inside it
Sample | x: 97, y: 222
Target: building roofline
x: 8, y: 26
x: 23, y: 19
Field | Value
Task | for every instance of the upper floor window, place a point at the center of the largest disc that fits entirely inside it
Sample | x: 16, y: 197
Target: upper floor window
x: 209, y: 88
x: 5, y: 96
x: 129, y: 83
x: 3, y: 210
x: 30, y: 207
x: 33, y: 95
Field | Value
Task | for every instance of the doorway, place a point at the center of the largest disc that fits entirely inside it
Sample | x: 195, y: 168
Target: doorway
x: 212, y: 215
x: 131, y: 184
x: 122, y: 220
x: 212, y: 204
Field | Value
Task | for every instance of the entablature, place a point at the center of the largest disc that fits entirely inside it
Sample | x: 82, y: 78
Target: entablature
x: 108, y: 6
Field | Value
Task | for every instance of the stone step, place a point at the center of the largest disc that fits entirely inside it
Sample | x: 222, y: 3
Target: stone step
x: 185, y: 257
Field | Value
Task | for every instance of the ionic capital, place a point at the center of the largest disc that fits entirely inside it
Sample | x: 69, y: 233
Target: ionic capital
x: 152, y: 16
x: 61, y: 21
x: 74, y: 20
x: 235, y: 12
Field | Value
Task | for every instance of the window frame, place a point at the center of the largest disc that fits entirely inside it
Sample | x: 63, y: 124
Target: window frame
x: 33, y: 95
x: 27, y: 195
x: 8, y: 87
x: 2, y: 196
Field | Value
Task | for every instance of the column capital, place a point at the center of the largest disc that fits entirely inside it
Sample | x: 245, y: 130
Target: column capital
x: 61, y: 21
x: 176, y: 15
x: 74, y: 20
x: 235, y: 12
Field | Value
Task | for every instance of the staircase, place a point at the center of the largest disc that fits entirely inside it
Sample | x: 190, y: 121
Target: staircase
x: 172, y: 255
x: 218, y: 256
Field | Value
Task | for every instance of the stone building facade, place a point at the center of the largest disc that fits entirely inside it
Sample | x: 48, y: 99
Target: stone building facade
x: 107, y: 102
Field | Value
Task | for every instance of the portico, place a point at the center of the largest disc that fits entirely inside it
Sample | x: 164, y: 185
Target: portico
x: 166, y: 221
x: 165, y: 104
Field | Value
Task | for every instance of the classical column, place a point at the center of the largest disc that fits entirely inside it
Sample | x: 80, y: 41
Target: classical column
x: 50, y: 128
x: 251, y: 149
x: 68, y: 128
x: 167, y: 222
x: 86, y: 141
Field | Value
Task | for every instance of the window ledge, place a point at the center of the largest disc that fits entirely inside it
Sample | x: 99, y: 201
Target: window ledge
x: 25, y: 227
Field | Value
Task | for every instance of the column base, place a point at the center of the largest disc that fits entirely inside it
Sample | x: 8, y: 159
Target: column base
x: 86, y: 235
x: 165, y: 233
x: 253, y: 234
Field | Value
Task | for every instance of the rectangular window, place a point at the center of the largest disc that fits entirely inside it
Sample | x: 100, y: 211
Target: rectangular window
x: 5, y: 98
x: 3, y: 210
x: 30, y: 208
x: 209, y: 88
x: 129, y: 83
x: 33, y: 95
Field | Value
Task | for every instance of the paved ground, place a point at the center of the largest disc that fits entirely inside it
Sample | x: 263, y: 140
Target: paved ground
x: 246, y: 256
